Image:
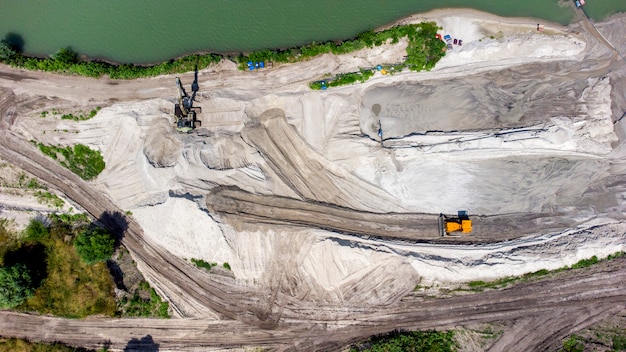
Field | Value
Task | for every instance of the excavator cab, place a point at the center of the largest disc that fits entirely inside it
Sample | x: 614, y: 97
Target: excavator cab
x: 452, y: 224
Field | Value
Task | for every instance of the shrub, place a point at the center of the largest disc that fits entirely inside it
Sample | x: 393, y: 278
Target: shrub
x: 36, y: 230
x: 95, y: 245
x: 203, y: 264
x: 573, y: 344
x: 81, y: 160
x: 15, y: 285
x: 430, y: 340
x: 6, y: 50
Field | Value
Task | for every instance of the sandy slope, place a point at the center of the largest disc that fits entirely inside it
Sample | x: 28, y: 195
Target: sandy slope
x: 514, y: 123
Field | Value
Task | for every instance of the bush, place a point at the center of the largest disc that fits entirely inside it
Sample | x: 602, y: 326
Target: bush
x: 35, y: 231
x: 15, y: 285
x: 81, y: 160
x: 203, y: 264
x: 6, y: 50
x: 400, y: 341
x: 95, y: 245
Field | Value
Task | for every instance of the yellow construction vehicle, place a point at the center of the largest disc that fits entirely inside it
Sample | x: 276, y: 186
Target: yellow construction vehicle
x: 451, y: 224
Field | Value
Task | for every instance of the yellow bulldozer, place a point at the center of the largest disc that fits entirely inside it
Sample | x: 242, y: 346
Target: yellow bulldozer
x: 449, y: 225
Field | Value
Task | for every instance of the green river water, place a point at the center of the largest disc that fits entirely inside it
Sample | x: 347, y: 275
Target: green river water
x: 150, y: 31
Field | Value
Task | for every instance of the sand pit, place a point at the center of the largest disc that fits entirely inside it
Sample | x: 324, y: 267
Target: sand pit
x: 514, y: 126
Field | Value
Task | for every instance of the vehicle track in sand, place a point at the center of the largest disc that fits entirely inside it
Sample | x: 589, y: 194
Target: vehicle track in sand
x: 560, y: 305
x: 295, y: 325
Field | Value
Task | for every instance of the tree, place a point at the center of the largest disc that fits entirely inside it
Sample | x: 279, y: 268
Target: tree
x: 15, y: 285
x: 66, y: 56
x: 95, y: 245
x: 6, y: 50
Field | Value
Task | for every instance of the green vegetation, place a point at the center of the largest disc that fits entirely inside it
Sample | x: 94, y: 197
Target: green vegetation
x: 573, y: 344
x: 16, y: 285
x: 50, y: 199
x: 7, y: 52
x: 618, y: 341
x: 61, y: 282
x: 203, y: 264
x: 144, y: 303
x: 424, y: 50
x: 81, y: 116
x: 506, y: 281
x: 95, y: 245
x: 227, y: 266
x: 19, y: 345
x: 65, y: 60
x: 81, y: 160
x: 35, y: 231
x: 417, y: 341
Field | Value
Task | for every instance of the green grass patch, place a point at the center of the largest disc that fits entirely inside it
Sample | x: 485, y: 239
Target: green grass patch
x: 401, y: 341
x: 50, y: 199
x: 81, y: 116
x: 20, y: 345
x: 480, y: 285
x: 203, y: 264
x: 227, y: 266
x: 573, y: 344
x: 80, y: 159
x: 64, y: 285
x: 145, y: 302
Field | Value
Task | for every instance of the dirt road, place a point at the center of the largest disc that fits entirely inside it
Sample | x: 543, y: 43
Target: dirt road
x: 558, y: 306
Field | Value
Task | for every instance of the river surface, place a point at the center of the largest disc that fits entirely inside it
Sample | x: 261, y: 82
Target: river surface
x: 150, y: 31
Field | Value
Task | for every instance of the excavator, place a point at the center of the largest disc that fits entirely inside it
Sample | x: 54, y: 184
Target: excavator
x: 449, y: 225
x: 184, y: 110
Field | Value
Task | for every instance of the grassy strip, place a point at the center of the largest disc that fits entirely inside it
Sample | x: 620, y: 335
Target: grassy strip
x: 66, y: 61
x: 424, y: 50
x: 81, y: 160
x: 19, y: 345
x: 417, y: 341
x: 81, y: 116
x: 506, y: 281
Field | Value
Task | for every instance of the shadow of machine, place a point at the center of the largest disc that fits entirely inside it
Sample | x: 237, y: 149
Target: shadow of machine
x: 185, y: 112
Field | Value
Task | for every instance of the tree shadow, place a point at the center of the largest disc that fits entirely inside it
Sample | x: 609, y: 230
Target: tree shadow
x: 117, y: 274
x: 15, y: 41
x: 116, y: 222
x: 33, y: 256
x: 145, y: 344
